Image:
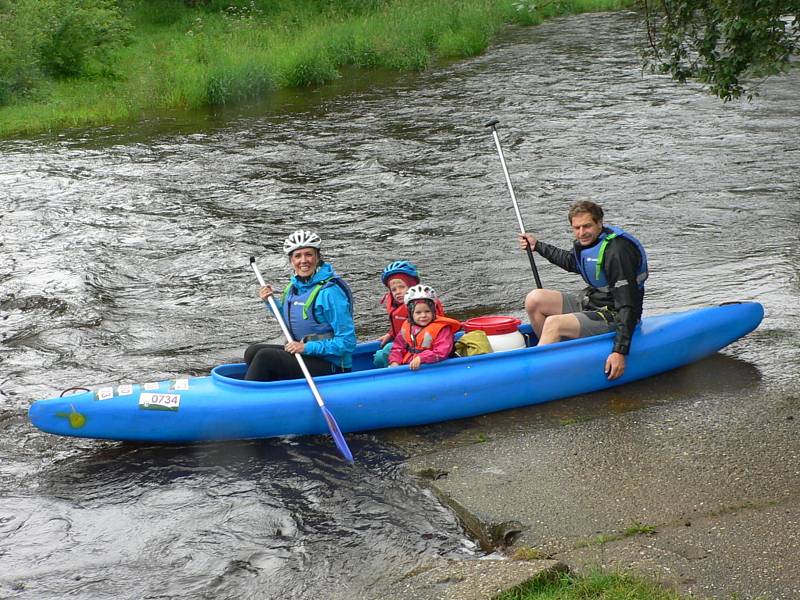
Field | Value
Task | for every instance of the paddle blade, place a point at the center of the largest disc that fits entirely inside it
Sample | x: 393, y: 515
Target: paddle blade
x: 337, y: 434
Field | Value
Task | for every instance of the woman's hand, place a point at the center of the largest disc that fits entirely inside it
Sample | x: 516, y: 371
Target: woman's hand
x: 415, y: 362
x: 265, y: 292
x: 295, y: 347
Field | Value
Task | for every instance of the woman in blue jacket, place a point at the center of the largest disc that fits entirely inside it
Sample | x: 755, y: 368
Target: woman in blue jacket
x: 317, y: 307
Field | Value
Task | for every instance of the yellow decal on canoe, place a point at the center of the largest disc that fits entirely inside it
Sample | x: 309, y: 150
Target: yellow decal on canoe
x: 76, y: 419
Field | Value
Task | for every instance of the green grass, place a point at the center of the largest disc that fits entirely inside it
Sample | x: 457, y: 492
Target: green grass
x: 192, y: 58
x: 528, y: 553
x: 635, y: 528
x: 595, y: 585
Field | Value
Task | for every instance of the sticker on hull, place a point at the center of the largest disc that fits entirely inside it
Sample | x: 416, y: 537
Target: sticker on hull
x: 106, y: 393
x: 151, y: 401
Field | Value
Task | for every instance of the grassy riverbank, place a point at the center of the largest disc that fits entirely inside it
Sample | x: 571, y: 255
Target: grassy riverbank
x: 142, y: 56
x: 597, y: 586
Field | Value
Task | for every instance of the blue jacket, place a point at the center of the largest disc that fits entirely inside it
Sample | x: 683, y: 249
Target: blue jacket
x: 333, y: 308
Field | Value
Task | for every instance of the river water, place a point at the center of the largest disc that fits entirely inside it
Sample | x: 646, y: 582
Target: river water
x: 125, y: 259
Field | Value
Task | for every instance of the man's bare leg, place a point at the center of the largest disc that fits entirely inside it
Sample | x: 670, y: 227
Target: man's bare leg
x: 558, y: 327
x: 540, y: 304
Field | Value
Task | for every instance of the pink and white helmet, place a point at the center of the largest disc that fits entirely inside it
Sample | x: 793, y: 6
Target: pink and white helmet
x: 420, y: 292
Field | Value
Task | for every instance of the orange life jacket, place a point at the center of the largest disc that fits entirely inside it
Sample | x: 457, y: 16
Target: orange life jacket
x: 398, y: 313
x: 423, y: 340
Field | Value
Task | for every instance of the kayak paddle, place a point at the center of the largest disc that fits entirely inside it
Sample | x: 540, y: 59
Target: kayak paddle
x: 341, y: 444
x: 528, y: 248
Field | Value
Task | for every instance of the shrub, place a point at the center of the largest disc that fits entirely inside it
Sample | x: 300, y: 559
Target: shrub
x: 20, y: 37
x: 81, y: 36
x: 56, y: 38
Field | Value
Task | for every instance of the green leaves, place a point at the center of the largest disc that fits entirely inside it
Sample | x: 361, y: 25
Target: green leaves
x: 725, y: 44
x: 58, y: 39
x: 80, y: 37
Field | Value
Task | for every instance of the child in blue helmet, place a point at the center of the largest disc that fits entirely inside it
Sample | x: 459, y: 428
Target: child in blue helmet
x: 398, y: 277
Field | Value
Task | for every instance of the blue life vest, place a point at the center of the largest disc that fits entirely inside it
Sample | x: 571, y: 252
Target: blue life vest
x: 298, y: 310
x: 590, y: 260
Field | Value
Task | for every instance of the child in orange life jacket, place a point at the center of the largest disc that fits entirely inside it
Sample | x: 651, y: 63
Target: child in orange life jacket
x: 398, y: 276
x: 425, y: 337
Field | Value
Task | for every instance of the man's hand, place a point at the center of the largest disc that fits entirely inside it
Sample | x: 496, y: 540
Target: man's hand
x: 615, y: 365
x: 525, y: 240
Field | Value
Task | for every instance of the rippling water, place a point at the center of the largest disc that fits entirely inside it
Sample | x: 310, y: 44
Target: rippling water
x: 124, y: 258
x: 282, y: 520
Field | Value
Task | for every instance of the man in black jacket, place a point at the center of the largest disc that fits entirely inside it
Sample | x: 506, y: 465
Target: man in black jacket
x: 613, y: 263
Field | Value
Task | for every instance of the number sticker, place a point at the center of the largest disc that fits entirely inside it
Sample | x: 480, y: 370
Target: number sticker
x: 152, y: 385
x: 106, y: 393
x: 126, y: 389
x: 151, y: 401
x: 181, y: 384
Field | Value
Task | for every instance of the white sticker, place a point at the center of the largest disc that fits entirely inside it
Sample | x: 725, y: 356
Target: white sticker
x: 181, y: 384
x: 106, y: 393
x: 153, y: 385
x: 151, y: 401
x: 126, y: 389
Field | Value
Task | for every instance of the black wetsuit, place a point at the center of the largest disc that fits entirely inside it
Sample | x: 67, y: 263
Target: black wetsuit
x: 620, y: 264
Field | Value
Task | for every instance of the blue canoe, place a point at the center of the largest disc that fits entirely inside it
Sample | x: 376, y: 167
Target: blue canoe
x: 222, y: 406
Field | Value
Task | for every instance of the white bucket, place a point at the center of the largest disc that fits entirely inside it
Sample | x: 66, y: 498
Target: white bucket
x: 501, y: 331
x: 506, y: 341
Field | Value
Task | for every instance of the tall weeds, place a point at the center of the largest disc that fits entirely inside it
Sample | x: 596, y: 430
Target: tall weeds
x: 164, y: 54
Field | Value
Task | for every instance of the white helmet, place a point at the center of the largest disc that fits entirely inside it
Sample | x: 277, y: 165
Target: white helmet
x: 420, y: 292
x: 301, y: 238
